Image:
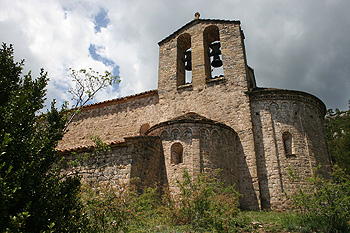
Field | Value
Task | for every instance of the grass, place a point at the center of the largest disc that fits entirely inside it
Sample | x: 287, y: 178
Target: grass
x: 246, y: 221
x: 262, y: 221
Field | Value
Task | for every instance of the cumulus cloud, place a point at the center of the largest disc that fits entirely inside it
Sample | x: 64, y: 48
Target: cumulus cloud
x: 301, y: 45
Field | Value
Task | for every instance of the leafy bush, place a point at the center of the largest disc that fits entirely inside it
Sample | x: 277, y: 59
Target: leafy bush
x: 109, y: 208
x: 105, y: 208
x: 325, y: 204
x: 203, y: 202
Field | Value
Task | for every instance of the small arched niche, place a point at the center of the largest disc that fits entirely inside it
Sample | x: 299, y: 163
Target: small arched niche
x: 144, y: 128
x: 212, y: 53
x: 176, y: 153
x: 187, y: 135
x: 175, y: 134
x: 184, y: 60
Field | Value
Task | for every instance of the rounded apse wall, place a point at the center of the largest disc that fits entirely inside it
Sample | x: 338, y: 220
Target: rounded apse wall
x: 197, y: 144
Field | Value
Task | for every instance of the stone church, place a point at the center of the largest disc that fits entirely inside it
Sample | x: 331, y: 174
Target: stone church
x: 206, y: 114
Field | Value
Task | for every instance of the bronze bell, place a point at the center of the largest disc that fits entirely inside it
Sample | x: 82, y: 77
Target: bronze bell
x: 188, y: 62
x: 215, y: 51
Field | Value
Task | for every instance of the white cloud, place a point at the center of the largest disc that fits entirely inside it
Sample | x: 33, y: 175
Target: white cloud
x: 291, y: 44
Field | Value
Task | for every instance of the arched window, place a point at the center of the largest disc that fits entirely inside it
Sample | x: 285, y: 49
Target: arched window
x: 212, y: 53
x: 184, y: 59
x: 287, y: 143
x: 176, y: 153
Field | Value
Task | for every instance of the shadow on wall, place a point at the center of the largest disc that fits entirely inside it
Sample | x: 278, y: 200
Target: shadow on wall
x: 261, y: 164
x: 249, y: 199
x: 148, y: 164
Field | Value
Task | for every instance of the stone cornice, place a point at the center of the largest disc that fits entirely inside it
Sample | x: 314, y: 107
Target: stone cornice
x: 258, y: 94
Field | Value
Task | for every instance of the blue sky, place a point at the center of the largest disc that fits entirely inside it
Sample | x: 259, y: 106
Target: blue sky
x: 101, y: 20
x: 300, y: 45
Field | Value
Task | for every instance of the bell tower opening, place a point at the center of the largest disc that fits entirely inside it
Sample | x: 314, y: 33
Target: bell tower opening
x: 188, y: 66
x: 212, y: 54
x: 184, y: 60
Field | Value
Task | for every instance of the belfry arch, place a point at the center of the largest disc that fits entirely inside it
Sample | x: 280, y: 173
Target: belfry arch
x: 184, y: 60
x: 212, y: 53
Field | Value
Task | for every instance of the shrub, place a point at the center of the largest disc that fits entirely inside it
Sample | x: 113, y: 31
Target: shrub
x: 110, y: 209
x: 105, y: 207
x: 325, y: 203
x: 203, y: 202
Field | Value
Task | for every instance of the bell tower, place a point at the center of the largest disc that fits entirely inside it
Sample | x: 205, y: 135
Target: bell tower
x: 203, y: 69
x: 202, y: 52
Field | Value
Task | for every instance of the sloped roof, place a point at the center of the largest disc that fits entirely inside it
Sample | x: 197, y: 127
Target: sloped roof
x: 120, y: 100
x: 86, y: 148
x: 194, y: 22
x: 190, y: 117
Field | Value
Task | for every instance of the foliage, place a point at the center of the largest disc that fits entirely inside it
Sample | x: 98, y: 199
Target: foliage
x: 34, y: 196
x: 104, y: 207
x: 337, y: 128
x: 325, y: 203
x: 81, y: 159
x: 109, y: 208
x: 203, y: 202
x: 88, y: 83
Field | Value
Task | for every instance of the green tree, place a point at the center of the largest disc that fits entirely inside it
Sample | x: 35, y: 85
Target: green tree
x: 337, y: 127
x: 34, y: 195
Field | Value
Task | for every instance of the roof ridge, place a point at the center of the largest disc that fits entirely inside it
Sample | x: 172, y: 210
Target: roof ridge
x: 124, y: 98
x: 86, y: 147
x: 195, y: 21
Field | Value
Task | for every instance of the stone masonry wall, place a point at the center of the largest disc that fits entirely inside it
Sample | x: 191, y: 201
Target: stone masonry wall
x: 138, y: 157
x: 112, y: 121
x: 113, y: 166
